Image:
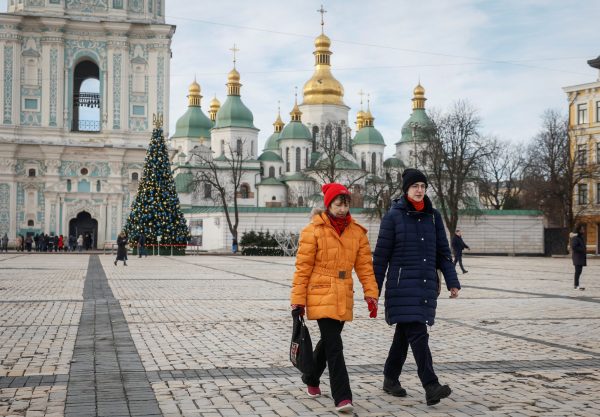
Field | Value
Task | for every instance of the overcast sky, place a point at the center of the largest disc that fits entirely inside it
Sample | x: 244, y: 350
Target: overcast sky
x: 510, y: 59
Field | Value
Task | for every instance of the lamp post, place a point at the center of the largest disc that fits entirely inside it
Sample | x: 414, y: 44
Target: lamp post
x: 158, y: 239
x: 415, y: 126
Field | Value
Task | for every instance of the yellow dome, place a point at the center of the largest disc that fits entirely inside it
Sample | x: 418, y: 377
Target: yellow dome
x: 233, y: 76
x: 323, y: 88
x: 322, y: 42
x: 194, y: 88
x: 215, y: 103
x: 419, y: 90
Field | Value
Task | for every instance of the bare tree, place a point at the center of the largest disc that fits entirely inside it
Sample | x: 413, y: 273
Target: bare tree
x: 333, y: 164
x: 223, y: 176
x: 553, y: 171
x: 453, y: 153
x: 380, y: 192
x: 500, y: 173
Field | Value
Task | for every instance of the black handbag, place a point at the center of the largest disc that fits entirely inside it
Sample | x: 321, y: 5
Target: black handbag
x: 301, y: 352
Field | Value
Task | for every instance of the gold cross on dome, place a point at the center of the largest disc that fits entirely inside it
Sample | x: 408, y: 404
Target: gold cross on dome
x: 234, y: 50
x: 322, y: 11
x: 361, y: 93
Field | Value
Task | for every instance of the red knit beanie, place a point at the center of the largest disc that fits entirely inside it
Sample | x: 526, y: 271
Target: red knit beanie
x: 331, y: 191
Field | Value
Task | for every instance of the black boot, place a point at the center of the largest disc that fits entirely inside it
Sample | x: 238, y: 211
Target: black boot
x: 435, y: 392
x: 393, y: 387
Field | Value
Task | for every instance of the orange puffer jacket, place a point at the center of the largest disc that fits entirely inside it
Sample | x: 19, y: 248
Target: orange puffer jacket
x: 323, y: 279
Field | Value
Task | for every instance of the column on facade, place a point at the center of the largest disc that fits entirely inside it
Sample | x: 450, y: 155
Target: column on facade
x: 52, y: 80
x: 117, y: 86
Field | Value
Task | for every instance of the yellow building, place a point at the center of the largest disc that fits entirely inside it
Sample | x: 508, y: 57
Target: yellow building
x: 584, y: 141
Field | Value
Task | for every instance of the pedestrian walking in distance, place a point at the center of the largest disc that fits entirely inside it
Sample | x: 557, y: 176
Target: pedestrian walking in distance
x: 4, y: 243
x: 142, y: 245
x: 330, y: 247
x: 121, y: 248
x: 458, y: 244
x: 578, y: 253
x: 411, y: 245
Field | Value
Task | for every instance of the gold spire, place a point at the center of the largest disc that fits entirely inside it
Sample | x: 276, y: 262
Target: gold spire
x: 194, y: 96
x: 296, y: 113
x: 419, y: 97
x: 278, y: 122
x: 233, y: 78
x: 368, y: 118
x: 215, y: 105
x: 360, y: 116
x: 323, y: 88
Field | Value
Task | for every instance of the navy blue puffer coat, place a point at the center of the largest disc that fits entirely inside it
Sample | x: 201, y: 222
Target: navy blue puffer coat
x: 409, y: 247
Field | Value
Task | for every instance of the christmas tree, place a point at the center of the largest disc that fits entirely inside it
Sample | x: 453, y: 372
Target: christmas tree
x: 156, y: 211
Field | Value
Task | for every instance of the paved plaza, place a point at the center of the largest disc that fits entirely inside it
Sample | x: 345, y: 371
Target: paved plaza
x: 209, y: 336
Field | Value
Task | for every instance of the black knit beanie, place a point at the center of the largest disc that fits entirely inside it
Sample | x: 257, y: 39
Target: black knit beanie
x: 411, y: 176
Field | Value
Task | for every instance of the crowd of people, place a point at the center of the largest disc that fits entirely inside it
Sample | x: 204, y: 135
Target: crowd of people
x: 43, y: 242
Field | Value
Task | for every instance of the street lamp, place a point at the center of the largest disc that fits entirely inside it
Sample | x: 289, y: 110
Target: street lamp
x: 158, y: 239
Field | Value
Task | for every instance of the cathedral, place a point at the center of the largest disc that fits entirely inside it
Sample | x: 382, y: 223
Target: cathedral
x: 76, y: 112
x: 294, y: 161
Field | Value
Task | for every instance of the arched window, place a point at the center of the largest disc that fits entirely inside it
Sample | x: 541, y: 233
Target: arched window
x: 244, y: 191
x: 86, y: 97
x: 373, y: 163
x: 207, y: 190
x: 135, y: 176
x: 30, y: 223
x: 298, y: 159
x: 271, y: 172
x: 280, y: 171
x: 98, y: 186
x: 315, y: 132
x: 300, y: 201
x: 31, y: 172
x: 307, y: 158
x: 238, y: 146
x: 69, y: 185
x: 287, y: 159
x: 339, y: 137
x: 273, y: 198
x: 363, y: 162
x: 328, y: 132
x: 222, y: 147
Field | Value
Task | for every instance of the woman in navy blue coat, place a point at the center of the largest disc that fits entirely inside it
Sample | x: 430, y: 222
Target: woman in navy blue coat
x: 411, y: 245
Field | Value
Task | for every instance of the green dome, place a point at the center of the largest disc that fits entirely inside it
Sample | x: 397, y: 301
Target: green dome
x: 393, y: 163
x: 295, y: 130
x: 193, y: 124
x: 234, y: 113
x: 418, y: 116
x: 271, y: 144
x: 368, y: 135
x: 270, y: 157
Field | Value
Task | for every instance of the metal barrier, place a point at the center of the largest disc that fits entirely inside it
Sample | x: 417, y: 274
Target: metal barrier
x: 111, y: 249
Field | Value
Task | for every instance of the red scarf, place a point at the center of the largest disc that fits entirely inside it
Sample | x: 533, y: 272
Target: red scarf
x: 418, y: 205
x: 339, y: 223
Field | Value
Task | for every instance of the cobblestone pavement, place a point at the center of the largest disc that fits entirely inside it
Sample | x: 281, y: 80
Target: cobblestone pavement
x: 209, y: 336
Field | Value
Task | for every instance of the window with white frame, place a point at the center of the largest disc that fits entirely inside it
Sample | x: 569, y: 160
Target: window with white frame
x: 582, y: 116
x: 582, y: 193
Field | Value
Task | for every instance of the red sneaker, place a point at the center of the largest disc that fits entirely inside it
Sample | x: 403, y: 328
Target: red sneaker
x: 313, y: 391
x: 344, y: 406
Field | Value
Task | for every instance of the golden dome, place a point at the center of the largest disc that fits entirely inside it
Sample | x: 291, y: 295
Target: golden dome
x: 215, y: 103
x: 194, y: 88
x: 278, y: 124
x: 296, y: 113
x: 419, y: 97
x: 323, y: 88
x: 322, y: 42
x: 360, y: 119
x: 194, y: 94
x: 233, y: 76
x: 368, y: 118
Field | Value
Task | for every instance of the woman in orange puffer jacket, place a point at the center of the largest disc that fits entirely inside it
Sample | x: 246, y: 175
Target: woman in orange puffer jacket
x: 330, y: 247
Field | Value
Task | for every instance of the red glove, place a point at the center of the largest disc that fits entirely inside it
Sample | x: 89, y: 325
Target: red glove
x: 372, y: 304
x: 300, y: 307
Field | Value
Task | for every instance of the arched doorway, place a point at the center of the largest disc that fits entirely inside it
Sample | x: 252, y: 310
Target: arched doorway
x: 85, y: 226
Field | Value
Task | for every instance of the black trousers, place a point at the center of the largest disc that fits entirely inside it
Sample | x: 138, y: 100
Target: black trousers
x: 458, y: 258
x: 578, y: 271
x: 330, y: 352
x: 415, y: 335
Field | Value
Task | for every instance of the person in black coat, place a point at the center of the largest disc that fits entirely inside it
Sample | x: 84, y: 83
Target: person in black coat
x: 142, y: 245
x: 458, y: 244
x: 411, y: 246
x: 122, y: 248
x: 578, y: 253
